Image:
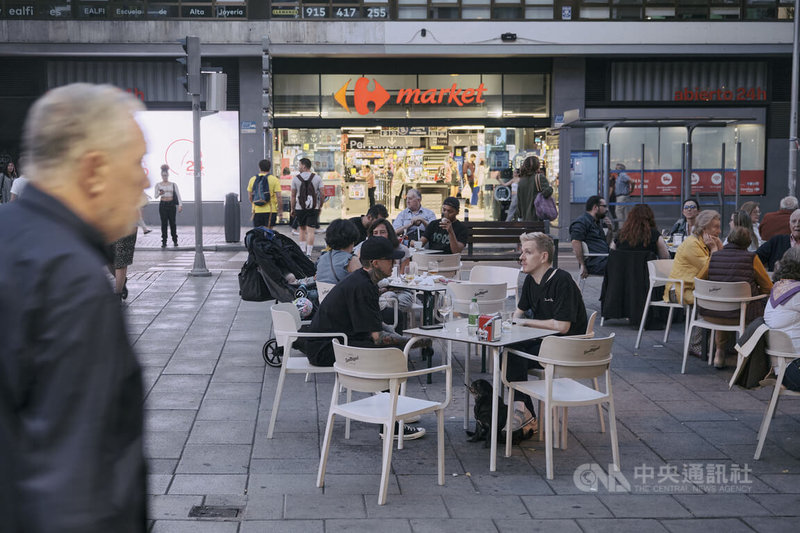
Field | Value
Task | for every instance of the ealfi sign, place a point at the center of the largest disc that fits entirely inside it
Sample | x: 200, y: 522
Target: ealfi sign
x: 378, y: 96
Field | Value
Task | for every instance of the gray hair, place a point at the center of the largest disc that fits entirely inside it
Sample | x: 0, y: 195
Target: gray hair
x: 789, y: 265
x: 702, y: 221
x: 415, y: 192
x: 789, y: 202
x: 69, y: 121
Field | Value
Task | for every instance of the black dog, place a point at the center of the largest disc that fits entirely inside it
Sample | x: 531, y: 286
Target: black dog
x: 482, y: 391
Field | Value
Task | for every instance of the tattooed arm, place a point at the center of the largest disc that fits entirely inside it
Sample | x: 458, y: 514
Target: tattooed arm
x: 389, y: 338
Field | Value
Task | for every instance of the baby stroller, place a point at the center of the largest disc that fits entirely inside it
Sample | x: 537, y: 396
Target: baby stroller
x: 287, y: 274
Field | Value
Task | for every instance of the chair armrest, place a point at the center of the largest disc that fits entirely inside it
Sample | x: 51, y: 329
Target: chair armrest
x: 298, y: 334
x: 737, y: 300
x: 559, y: 362
x: 410, y: 344
x: 393, y: 375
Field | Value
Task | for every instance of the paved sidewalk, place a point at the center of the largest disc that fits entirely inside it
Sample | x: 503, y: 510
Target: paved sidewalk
x: 213, y: 238
x: 209, y: 398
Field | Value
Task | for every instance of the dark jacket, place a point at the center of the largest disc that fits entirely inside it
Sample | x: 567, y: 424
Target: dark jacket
x: 625, y: 285
x: 752, y: 346
x: 771, y: 251
x: 71, y: 400
x: 732, y: 264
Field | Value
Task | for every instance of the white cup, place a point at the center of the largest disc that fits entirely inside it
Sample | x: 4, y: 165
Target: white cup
x: 677, y: 239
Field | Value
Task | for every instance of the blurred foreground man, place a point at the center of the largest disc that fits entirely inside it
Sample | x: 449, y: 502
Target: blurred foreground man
x: 71, y: 457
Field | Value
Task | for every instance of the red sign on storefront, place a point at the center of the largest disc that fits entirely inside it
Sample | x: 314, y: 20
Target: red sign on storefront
x: 668, y: 182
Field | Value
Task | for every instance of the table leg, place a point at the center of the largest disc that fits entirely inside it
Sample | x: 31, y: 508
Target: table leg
x: 427, y: 320
x: 494, y: 353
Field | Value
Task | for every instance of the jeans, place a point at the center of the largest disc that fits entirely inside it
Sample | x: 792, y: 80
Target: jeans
x: 167, y: 210
x: 371, y: 194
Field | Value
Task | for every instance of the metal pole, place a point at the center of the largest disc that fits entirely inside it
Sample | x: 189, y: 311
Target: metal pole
x: 793, y: 112
x: 684, y: 194
x: 199, y: 268
x: 641, y: 179
x: 606, y: 162
x: 738, y: 171
x: 722, y: 207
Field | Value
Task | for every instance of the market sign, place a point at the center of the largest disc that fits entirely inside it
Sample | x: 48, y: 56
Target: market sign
x: 378, y: 96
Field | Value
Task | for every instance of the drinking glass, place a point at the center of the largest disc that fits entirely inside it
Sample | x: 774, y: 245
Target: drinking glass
x: 411, y: 272
x: 445, y: 307
x: 433, y: 267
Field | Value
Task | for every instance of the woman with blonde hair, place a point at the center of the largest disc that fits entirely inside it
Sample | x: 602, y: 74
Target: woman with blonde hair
x: 753, y: 210
x: 693, y: 256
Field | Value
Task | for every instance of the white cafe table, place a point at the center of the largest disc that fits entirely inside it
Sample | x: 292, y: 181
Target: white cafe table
x: 457, y: 331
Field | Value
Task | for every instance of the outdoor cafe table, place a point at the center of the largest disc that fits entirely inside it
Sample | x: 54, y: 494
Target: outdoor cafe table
x: 457, y: 331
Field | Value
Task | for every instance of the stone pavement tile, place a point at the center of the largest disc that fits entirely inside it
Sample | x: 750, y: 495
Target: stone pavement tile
x: 158, y: 483
x: 326, y: 506
x: 651, y: 422
x: 285, y: 466
x: 406, y: 506
x: 190, y: 365
x: 720, y: 505
x: 451, y: 525
x: 707, y: 380
x: 164, y: 444
x: 264, y: 508
x: 734, y: 399
x: 429, y: 484
x: 588, y: 433
x: 544, y: 526
x: 773, y: 525
x: 523, y: 484
x: 194, y: 526
x: 173, y: 400
x: 640, y: 375
x: 161, y: 466
x: 752, y: 420
x: 148, y: 344
x: 150, y: 375
x: 212, y: 409
x: 169, y: 419
x: 251, y: 357
x: 356, y: 483
x: 485, y: 506
x: 724, y: 432
x: 694, y: 410
x: 682, y: 446
x: 783, y: 483
x: 233, y: 391
x: 152, y: 358
x: 621, y: 525
x: 665, y: 391
x: 181, y: 383
x: 242, y: 374
x: 708, y: 525
x: 588, y: 506
x: 779, y: 504
x: 643, y: 506
x: 215, y: 459
x: 208, y: 484
x: 291, y: 420
x: 222, y: 432
x: 283, y: 526
x: 171, y: 507
x: 262, y: 485
x: 368, y: 526
x: 288, y: 446
x: 774, y: 459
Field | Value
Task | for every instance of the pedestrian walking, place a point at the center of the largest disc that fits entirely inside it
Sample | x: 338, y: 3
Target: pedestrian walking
x: 170, y: 199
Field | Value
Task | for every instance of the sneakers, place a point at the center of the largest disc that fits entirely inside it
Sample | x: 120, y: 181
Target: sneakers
x: 146, y: 231
x: 295, y: 232
x: 409, y: 432
x: 523, y: 420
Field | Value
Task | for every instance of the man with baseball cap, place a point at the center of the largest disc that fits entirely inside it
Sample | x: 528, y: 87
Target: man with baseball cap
x: 447, y: 234
x: 352, y: 308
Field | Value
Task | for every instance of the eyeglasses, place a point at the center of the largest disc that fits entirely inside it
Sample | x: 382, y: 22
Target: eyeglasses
x: 690, y: 207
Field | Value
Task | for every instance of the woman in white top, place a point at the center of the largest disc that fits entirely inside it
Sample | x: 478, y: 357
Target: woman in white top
x: 170, y: 198
x: 783, y: 309
x: 754, y: 211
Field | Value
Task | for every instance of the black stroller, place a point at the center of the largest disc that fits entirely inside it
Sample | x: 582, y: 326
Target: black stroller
x: 286, y: 272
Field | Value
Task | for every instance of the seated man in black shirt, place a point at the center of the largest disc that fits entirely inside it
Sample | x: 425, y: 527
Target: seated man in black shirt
x: 447, y: 234
x: 588, y: 228
x: 553, y: 299
x: 363, y: 222
x: 352, y: 308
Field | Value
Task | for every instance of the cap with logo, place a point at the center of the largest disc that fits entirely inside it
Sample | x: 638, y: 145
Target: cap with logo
x: 379, y: 248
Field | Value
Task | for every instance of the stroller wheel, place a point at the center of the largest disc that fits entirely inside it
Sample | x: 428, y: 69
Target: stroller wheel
x: 272, y: 353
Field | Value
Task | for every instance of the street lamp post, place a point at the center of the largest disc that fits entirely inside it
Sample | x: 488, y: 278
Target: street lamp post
x: 793, y: 113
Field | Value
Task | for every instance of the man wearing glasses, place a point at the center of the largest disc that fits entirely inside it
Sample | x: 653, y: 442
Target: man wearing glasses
x: 588, y: 228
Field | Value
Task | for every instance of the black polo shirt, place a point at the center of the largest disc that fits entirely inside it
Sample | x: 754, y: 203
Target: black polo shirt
x: 556, y: 297
x: 362, y: 231
x: 439, y: 239
x: 587, y: 229
x: 351, y: 308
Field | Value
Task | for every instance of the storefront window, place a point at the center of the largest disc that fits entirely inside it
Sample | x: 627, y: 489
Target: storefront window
x: 296, y: 95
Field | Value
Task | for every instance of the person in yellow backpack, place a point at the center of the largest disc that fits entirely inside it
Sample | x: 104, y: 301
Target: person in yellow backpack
x: 268, y: 213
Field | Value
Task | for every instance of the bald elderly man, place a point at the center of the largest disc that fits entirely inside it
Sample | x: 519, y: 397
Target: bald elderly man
x: 771, y: 251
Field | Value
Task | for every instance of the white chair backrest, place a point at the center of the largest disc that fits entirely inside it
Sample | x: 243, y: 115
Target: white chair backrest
x: 590, y: 324
x: 494, y: 274
x: 445, y: 261
x: 580, y: 358
x: 706, y: 294
x: 323, y: 289
x: 659, y: 268
x: 357, y: 366
x: 490, y: 296
x: 286, y: 319
x: 778, y: 342
x: 584, y: 248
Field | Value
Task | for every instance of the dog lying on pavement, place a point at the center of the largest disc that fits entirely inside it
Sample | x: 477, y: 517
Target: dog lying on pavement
x: 482, y: 392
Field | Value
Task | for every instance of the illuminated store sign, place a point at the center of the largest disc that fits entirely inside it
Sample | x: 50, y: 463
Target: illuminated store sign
x: 378, y: 96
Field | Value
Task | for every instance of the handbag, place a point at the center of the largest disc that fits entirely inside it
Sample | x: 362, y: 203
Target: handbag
x: 251, y: 285
x: 545, y: 206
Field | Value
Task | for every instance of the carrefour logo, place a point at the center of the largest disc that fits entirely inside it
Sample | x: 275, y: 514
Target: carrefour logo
x: 378, y: 96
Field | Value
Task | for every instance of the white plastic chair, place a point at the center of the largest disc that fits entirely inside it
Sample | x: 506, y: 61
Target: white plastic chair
x: 717, y: 296
x: 587, y: 253
x: 491, y: 299
x: 781, y: 352
x: 286, y: 321
x: 659, y: 270
x: 566, y: 359
x: 374, y: 370
x: 449, y: 264
x: 494, y: 274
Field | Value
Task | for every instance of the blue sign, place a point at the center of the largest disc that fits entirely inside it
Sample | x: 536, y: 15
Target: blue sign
x: 248, y: 126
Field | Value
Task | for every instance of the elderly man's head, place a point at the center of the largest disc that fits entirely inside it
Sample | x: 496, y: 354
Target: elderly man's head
x: 789, y: 202
x: 413, y: 199
x: 794, y: 224
x: 82, y: 145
